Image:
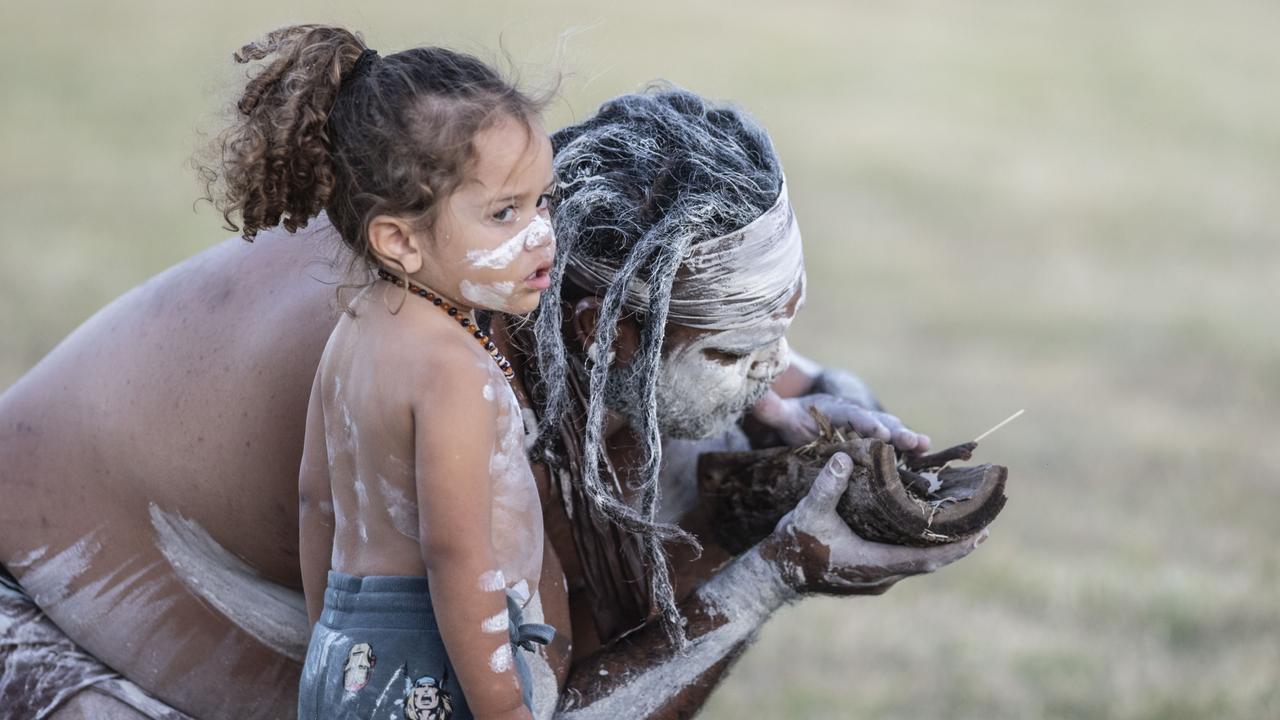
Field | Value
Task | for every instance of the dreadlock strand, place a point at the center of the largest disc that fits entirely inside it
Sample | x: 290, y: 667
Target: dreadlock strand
x: 641, y: 182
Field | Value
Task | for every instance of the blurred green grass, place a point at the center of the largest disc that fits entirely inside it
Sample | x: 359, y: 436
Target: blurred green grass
x: 1068, y: 207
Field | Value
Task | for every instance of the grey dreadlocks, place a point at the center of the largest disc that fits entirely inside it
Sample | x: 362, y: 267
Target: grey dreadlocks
x: 644, y: 181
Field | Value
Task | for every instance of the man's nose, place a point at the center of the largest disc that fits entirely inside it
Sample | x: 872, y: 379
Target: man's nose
x: 772, y: 362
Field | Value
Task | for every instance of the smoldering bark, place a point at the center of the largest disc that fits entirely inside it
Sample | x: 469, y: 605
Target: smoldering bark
x: 749, y: 492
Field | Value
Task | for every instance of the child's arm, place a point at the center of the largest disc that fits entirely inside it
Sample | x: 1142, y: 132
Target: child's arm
x: 315, y: 509
x: 454, y: 431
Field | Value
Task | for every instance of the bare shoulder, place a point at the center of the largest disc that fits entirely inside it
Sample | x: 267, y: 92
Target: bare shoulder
x: 456, y: 380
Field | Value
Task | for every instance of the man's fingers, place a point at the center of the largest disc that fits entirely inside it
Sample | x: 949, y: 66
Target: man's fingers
x: 786, y: 417
x: 831, y: 483
x: 866, y: 425
x: 770, y: 409
x: 934, y: 558
x: 890, y: 421
x: 904, y: 439
x: 900, y: 435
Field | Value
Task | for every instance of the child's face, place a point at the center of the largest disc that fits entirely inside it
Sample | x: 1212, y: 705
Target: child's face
x: 492, y: 244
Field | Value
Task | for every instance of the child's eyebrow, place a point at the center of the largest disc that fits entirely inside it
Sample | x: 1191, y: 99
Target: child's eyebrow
x: 510, y: 198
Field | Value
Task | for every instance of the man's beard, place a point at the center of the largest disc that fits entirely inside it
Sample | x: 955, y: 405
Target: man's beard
x: 696, y: 398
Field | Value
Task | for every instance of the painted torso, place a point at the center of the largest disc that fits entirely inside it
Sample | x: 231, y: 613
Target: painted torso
x: 369, y: 437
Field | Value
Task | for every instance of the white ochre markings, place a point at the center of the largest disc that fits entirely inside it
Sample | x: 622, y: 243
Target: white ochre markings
x: 497, y: 623
x: 501, y: 659
x: 492, y: 581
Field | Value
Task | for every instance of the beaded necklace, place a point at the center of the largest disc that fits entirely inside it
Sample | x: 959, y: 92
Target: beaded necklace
x: 485, y: 341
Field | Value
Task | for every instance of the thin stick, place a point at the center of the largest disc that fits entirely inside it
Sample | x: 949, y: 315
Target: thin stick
x: 1004, y: 422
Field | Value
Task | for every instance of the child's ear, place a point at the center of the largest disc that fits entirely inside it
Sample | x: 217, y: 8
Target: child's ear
x: 393, y: 242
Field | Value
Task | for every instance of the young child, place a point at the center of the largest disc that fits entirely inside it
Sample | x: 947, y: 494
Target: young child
x: 416, y: 498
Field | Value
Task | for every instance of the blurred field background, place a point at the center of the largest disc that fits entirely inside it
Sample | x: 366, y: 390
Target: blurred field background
x: 1070, y: 207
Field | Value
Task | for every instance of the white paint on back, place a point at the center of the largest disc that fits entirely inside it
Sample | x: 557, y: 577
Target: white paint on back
x: 275, y: 615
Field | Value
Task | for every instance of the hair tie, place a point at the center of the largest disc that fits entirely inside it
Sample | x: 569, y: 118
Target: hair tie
x: 361, y: 65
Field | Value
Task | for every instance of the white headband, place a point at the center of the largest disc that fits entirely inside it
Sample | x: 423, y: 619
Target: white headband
x: 730, y: 282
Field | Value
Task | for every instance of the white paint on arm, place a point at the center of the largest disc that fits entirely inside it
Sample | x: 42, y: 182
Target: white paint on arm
x: 492, y: 581
x: 517, y: 511
x: 50, y: 581
x: 745, y: 594
x: 25, y: 561
x: 501, y: 659
x: 520, y: 591
x: 497, y: 623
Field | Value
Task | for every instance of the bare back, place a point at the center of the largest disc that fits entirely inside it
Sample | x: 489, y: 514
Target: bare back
x: 368, y: 430
x: 148, y: 481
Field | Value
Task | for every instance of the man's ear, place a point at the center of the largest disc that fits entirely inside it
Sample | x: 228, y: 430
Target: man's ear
x: 586, y: 316
x: 394, y: 243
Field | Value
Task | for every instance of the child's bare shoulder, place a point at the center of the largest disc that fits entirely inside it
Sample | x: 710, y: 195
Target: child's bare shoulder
x: 454, y: 375
x: 455, y: 414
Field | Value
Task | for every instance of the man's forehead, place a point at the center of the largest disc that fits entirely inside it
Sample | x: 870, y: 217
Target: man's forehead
x: 766, y: 332
x: 749, y: 335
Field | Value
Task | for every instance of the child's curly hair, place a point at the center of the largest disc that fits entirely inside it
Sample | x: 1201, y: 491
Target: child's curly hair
x: 325, y: 124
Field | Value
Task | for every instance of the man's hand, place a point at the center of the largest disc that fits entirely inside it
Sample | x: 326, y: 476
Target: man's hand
x: 791, y: 419
x: 818, y: 553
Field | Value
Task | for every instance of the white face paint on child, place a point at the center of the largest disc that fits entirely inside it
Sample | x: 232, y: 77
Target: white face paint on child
x: 535, y: 235
x: 492, y: 245
x: 501, y: 295
x: 493, y: 296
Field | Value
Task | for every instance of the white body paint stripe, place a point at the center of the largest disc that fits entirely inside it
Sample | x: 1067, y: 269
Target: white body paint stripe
x: 275, y: 615
x: 497, y: 623
x: 492, y: 581
x: 501, y: 659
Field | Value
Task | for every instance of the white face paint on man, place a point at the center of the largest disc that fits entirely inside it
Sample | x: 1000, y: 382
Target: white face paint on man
x: 704, y: 387
x: 707, y: 383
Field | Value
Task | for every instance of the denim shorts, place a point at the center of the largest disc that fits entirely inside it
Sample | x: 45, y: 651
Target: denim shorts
x: 377, y: 653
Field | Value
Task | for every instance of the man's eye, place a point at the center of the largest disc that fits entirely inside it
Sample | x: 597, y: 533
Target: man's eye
x: 506, y: 214
x: 724, y: 357
x: 544, y: 201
